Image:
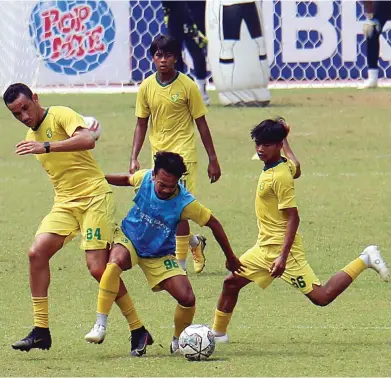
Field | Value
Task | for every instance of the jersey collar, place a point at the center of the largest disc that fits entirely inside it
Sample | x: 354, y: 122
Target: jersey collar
x: 272, y: 165
x: 40, y: 123
x: 169, y: 82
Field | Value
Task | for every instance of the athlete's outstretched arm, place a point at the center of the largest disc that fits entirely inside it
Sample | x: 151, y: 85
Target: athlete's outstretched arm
x: 120, y: 179
x: 214, y: 171
x: 138, y: 141
x: 233, y: 263
x: 80, y: 140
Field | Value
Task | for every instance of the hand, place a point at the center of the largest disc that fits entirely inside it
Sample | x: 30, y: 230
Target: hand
x: 234, y: 265
x: 134, y: 166
x: 370, y: 26
x: 283, y: 123
x: 214, y: 171
x: 193, y: 32
x: 29, y: 147
x: 278, y: 267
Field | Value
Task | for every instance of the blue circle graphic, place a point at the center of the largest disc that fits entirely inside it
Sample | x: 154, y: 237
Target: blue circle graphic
x: 72, y: 37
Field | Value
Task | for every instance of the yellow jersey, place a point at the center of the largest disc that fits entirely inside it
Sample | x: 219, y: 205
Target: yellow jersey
x: 193, y: 211
x: 275, y: 192
x: 172, y: 108
x: 73, y: 174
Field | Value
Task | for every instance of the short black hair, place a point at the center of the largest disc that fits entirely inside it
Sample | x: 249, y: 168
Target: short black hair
x: 171, y: 162
x: 15, y: 90
x: 269, y: 131
x: 165, y: 44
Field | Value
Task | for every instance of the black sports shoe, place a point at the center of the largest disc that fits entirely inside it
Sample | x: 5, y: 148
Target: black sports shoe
x: 38, y: 338
x: 140, y: 339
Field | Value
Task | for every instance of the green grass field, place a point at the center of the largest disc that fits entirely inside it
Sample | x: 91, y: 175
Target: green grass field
x: 342, y: 138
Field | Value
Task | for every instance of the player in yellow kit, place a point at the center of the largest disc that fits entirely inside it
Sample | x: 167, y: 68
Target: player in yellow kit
x: 171, y: 102
x: 83, y: 202
x: 147, y: 238
x: 278, y: 251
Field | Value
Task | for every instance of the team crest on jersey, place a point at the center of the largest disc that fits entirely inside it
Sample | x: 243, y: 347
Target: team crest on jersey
x: 262, y: 186
x: 175, y: 97
x: 49, y: 133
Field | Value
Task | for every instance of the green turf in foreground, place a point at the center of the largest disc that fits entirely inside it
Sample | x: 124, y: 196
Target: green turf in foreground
x: 342, y: 138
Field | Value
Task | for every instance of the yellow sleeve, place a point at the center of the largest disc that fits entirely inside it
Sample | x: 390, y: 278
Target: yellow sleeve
x: 69, y: 120
x: 284, y: 188
x: 197, y: 213
x: 292, y: 167
x: 196, y: 104
x: 142, y: 108
x: 137, y: 178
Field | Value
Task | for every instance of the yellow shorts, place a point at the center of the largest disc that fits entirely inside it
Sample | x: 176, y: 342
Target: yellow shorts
x: 298, y: 272
x: 93, y: 217
x: 155, y: 270
x: 189, y: 181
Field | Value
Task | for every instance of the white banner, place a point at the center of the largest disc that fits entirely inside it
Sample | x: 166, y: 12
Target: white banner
x: 76, y: 42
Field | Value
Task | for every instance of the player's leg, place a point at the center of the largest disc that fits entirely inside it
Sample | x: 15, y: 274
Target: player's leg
x: 299, y: 274
x: 199, y: 64
x: 256, y: 270
x: 372, y: 31
x: 159, y: 272
x: 179, y: 287
x: 55, y: 229
x: 184, y: 238
x: 337, y: 284
x: 98, y: 230
x: 175, y: 30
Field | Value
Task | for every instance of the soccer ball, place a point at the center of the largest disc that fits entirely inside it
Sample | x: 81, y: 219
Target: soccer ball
x: 94, y: 126
x: 196, y: 342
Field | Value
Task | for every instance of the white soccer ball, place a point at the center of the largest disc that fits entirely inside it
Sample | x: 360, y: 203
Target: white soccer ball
x: 197, y: 342
x: 94, y: 126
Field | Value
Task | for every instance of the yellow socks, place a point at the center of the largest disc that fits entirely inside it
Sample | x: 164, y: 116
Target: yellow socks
x: 221, y: 322
x: 41, y: 312
x: 182, y: 246
x: 183, y: 317
x: 354, y: 268
x: 125, y: 303
x: 108, y: 288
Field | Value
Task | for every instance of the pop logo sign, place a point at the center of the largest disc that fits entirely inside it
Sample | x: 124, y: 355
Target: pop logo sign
x: 72, y: 37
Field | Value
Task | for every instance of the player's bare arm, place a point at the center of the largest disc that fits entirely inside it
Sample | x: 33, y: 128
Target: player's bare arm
x: 214, y: 171
x: 233, y: 264
x: 80, y: 140
x: 291, y: 156
x: 293, y: 220
x: 287, y: 148
x: 120, y: 179
x: 138, y: 141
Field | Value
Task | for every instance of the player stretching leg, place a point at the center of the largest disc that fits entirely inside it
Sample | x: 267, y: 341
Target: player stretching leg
x: 279, y: 251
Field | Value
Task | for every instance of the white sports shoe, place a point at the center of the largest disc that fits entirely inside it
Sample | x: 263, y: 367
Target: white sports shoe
x: 96, y: 335
x: 221, y: 339
x: 376, y: 262
x: 368, y: 83
x: 174, y: 347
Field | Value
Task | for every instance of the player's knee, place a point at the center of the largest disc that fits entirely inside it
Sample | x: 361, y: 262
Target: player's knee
x: 97, y: 270
x: 230, y: 287
x: 120, y: 259
x: 187, y: 299
x: 36, y: 257
x: 321, y: 300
